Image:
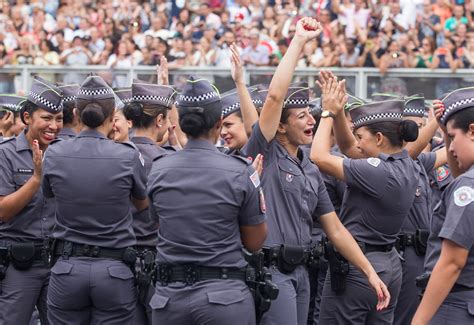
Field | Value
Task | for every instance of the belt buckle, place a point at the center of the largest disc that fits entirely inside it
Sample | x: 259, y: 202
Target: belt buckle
x: 191, y: 274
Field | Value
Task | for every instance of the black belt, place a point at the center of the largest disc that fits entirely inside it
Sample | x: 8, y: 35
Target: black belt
x: 406, y: 240
x: 69, y: 249
x: 38, y: 254
x: 460, y: 288
x: 191, y: 274
x: 368, y: 248
x: 272, y: 254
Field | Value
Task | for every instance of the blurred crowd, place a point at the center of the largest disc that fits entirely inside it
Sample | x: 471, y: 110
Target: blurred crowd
x: 385, y: 34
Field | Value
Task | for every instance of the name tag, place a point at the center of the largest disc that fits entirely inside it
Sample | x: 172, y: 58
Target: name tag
x: 25, y: 171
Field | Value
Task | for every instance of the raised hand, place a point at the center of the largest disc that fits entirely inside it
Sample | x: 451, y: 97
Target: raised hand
x: 237, y: 67
x: 162, y: 71
x: 333, y: 97
x: 308, y: 28
x: 438, y: 109
x: 258, y: 164
x: 37, y: 159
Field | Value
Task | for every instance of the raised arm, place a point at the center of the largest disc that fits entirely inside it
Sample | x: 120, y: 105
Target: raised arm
x: 306, y: 29
x: 247, y: 108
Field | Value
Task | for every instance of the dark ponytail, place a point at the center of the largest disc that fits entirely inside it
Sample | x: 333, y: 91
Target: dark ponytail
x: 142, y: 116
x: 197, y: 124
x: 396, y: 132
x: 94, y: 113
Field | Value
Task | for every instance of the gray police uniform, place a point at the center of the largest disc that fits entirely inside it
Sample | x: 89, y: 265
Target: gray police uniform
x: 296, y: 197
x: 379, y: 194
x: 201, y: 197
x: 25, y: 287
x: 67, y: 133
x: 439, y: 177
x: 92, y: 179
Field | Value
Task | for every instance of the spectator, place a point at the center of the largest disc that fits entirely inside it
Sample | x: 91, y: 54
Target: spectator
x: 351, y: 14
x: 5, y: 79
x: 457, y: 18
x: 393, y: 58
x: 46, y: 56
x: 428, y: 23
x: 371, y: 53
x: 205, y: 54
x: 77, y: 55
x: 25, y: 54
x: 120, y: 60
x: 255, y: 54
x: 425, y: 57
x: 350, y: 54
x: 330, y: 58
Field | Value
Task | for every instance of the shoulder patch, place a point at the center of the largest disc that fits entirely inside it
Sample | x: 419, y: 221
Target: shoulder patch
x: 463, y: 196
x: 373, y: 161
x: 442, y: 173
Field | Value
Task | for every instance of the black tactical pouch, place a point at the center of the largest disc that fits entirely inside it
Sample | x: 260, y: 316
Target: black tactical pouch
x: 289, y: 258
x: 421, y: 241
x: 4, y: 261
x: 338, y: 268
x: 22, y: 255
x: 129, y: 257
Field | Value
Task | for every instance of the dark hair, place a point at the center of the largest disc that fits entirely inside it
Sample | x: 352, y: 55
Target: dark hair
x: 29, y: 107
x: 142, y: 116
x: 463, y: 119
x: 197, y: 124
x: 396, y: 132
x: 285, y: 114
x: 68, y: 114
x: 94, y: 113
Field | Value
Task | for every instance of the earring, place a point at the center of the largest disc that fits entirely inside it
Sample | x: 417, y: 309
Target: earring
x: 159, y: 125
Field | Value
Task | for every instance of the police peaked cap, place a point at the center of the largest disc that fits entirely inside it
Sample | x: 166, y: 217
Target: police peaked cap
x: 148, y: 93
x: 12, y: 103
x: 70, y: 94
x: 456, y: 101
x: 415, y: 106
x: 297, y: 96
x: 46, y: 96
x: 197, y: 95
x: 231, y: 102
x: 374, y: 112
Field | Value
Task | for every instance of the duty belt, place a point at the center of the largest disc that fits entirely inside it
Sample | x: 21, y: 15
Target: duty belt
x: 406, y: 240
x: 273, y: 254
x: 368, y: 248
x: 190, y: 274
x: 68, y: 249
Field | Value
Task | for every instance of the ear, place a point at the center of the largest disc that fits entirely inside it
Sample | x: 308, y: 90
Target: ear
x: 281, y: 128
x: 159, y: 120
x: 471, y: 131
x: 27, y: 118
x: 379, y: 139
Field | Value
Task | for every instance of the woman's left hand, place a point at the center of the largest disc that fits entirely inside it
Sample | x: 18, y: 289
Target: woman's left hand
x: 333, y: 94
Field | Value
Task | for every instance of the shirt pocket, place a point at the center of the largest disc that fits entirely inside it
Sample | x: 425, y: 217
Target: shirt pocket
x: 291, y: 176
x: 227, y: 297
x: 20, y: 180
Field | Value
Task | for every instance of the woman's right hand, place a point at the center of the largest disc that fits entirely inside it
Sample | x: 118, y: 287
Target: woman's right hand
x: 383, y: 295
x: 438, y: 109
x: 333, y: 94
x: 258, y: 164
x: 37, y: 159
x: 308, y: 28
x: 237, y: 67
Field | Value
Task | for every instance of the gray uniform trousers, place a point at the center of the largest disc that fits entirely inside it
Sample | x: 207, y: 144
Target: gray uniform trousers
x: 457, y: 308
x: 292, y: 304
x: 21, y: 291
x: 357, y: 305
x: 409, y: 297
x: 86, y: 290
x: 210, y: 302
x: 143, y: 312
x: 323, y: 268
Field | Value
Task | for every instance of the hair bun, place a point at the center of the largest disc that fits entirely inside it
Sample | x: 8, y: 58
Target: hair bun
x: 408, y: 131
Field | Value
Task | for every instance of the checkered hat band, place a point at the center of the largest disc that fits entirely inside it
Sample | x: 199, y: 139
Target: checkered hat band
x: 295, y: 101
x: 95, y: 91
x: 11, y: 106
x: 150, y: 98
x: 453, y: 106
x: 377, y: 117
x: 195, y: 99
x: 414, y: 111
x: 230, y: 109
x: 46, y: 103
x: 126, y: 100
x: 70, y: 99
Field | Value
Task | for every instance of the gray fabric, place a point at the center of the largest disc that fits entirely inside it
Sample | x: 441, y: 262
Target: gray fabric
x: 66, y: 134
x: 380, y: 192
x: 291, y: 306
x: 92, y: 179
x: 295, y: 192
x: 201, y: 198
x: 211, y: 302
x: 91, y: 291
x: 21, y: 291
x: 357, y: 305
x: 458, y: 308
x: 35, y: 221
x: 11, y: 102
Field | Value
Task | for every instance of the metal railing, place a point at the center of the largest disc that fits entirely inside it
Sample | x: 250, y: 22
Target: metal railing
x: 362, y: 82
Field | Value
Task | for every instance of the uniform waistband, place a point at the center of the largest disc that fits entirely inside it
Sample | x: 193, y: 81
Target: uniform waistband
x: 190, y: 274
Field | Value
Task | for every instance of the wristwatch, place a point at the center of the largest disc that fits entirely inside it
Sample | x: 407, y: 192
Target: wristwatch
x: 325, y: 114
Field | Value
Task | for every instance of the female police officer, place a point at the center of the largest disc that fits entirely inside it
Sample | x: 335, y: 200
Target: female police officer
x: 92, y: 180
x: 27, y: 217
x: 381, y: 189
x: 207, y: 205
x: 449, y: 296
x: 295, y: 192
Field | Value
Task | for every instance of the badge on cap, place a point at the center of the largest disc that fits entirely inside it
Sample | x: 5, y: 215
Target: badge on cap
x: 373, y: 161
x: 463, y: 196
x: 255, y: 179
x: 263, y: 206
x: 441, y: 173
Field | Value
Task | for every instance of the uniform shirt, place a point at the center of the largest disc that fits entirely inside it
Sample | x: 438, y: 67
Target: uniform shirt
x: 294, y: 190
x: 67, y: 133
x: 201, y: 197
x: 419, y: 216
x: 439, y: 177
x: 35, y: 221
x: 144, y: 226
x: 92, y: 179
x: 453, y: 220
x: 380, y: 192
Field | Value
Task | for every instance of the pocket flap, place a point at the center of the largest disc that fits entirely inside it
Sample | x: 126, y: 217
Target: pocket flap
x: 288, y: 167
x: 21, y: 179
x: 470, y: 308
x: 120, y: 272
x: 379, y: 267
x: 61, y: 267
x: 226, y: 297
x: 158, y: 302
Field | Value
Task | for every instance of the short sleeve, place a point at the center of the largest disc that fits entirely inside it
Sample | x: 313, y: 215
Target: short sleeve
x: 368, y: 175
x: 252, y: 210
x: 139, y: 177
x: 7, y: 184
x: 427, y: 160
x: 459, y: 223
x: 257, y: 143
x: 325, y: 205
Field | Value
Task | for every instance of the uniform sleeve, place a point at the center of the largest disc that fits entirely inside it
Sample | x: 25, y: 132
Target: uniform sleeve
x: 45, y: 183
x: 7, y: 185
x: 257, y: 144
x: 459, y: 223
x: 139, y: 177
x: 252, y: 211
x: 325, y: 205
x: 427, y: 160
x: 368, y: 175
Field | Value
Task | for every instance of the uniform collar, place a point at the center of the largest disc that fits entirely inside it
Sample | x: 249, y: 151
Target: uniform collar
x: 91, y: 134
x: 200, y: 144
x: 22, y: 142
x: 143, y: 140
x: 399, y: 155
x: 67, y: 131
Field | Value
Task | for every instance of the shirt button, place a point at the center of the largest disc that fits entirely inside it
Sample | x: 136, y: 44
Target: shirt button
x: 44, y: 219
x: 303, y: 219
